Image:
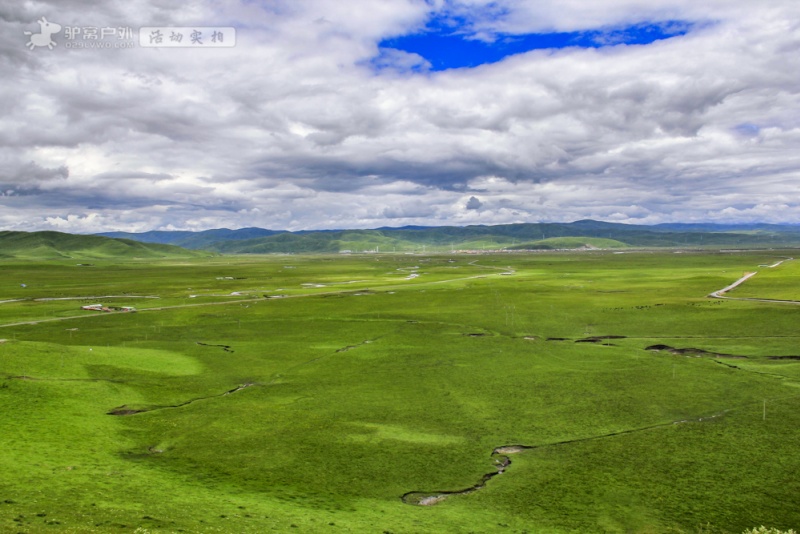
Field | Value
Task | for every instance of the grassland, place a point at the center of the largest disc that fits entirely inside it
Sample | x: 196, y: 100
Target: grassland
x: 371, y: 377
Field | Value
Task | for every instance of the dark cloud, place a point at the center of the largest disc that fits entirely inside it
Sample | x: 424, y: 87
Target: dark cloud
x: 30, y: 176
x: 473, y: 203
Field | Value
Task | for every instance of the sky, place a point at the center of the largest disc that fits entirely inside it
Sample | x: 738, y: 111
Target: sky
x: 320, y: 114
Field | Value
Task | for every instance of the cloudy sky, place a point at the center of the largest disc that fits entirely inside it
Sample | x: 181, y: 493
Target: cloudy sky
x: 369, y: 113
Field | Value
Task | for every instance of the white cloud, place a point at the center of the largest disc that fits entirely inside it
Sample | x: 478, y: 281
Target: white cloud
x: 294, y: 128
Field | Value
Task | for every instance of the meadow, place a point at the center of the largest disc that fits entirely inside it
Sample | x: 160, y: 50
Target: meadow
x: 371, y: 393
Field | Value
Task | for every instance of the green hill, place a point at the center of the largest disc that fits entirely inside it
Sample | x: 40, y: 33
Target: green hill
x: 192, y: 240
x: 560, y: 243
x: 57, y: 245
x: 509, y: 236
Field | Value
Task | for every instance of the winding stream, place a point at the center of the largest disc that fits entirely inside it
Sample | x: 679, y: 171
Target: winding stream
x: 126, y: 410
x: 503, y: 462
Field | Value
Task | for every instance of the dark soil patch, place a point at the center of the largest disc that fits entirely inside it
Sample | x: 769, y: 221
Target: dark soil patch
x: 476, y: 334
x: 124, y: 410
x: 598, y: 339
x: 351, y: 347
x: 556, y: 339
x: 226, y: 348
x: 783, y: 357
x: 697, y: 353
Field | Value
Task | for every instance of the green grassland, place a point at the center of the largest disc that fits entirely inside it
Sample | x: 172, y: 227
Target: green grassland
x: 381, y: 375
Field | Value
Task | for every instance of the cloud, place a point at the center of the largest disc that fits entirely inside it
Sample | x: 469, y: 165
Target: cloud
x: 306, y: 123
x: 473, y: 203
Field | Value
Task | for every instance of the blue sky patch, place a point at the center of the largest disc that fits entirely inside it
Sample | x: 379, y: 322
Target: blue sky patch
x: 748, y: 129
x: 447, y: 47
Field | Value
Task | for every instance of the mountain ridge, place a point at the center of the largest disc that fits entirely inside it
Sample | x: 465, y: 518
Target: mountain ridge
x: 518, y: 236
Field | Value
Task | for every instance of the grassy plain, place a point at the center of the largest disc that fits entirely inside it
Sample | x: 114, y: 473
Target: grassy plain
x: 373, y: 376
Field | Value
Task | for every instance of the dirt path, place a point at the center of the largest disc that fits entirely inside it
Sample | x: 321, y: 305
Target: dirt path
x: 720, y: 294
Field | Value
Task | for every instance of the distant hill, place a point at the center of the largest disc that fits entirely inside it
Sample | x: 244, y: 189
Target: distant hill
x: 742, y: 228
x: 578, y: 234
x: 193, y: 240
x: 561, y: 243
x: 57, y: 245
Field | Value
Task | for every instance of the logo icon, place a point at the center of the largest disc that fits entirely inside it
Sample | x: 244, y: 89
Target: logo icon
x: 43, y: 38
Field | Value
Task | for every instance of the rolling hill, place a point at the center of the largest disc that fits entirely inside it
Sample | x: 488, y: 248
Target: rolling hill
x: 57, y: 245
x: 193, y: 240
